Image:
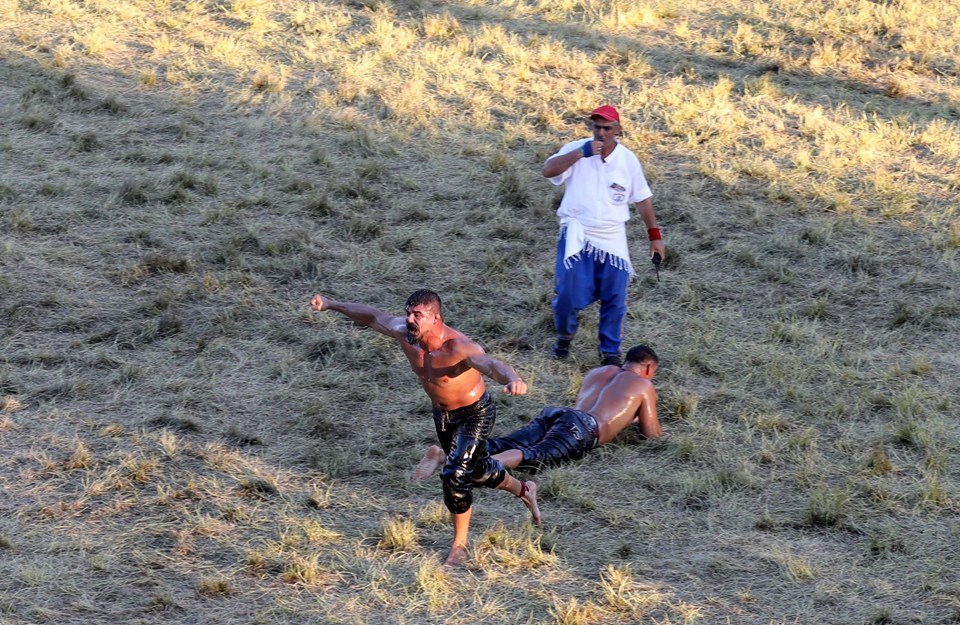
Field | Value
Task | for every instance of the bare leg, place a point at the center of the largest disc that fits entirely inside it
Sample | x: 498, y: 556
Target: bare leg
x: 461, y: 527
x: 527, y: 492
x: 429, y: 463
x: 510, y: 459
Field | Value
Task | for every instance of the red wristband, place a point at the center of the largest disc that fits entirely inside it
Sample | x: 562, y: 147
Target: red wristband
x: 654, y: 234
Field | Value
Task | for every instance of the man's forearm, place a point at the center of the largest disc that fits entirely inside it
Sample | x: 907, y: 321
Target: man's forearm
x: 647, y: 420
x: 495, y: 370
x: 500, y: 372
x: 503, y: 373
x: 558, y: 164
x: 361, y: 314
x: 647, y: 214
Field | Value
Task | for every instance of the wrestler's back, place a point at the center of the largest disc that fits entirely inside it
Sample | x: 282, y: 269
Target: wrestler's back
x: 613, y: 396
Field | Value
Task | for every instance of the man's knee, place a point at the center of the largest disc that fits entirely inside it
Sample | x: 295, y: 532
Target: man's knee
x: 613, y: 312
x: 459, y: 481
x: 456, y: 487
x: 457, y: 500
x: 491, y: 475
x: 454, y: 475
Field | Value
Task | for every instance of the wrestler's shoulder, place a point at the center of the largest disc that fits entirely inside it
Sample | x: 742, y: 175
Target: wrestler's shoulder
x: 632, y: 379
x: 462, y: 343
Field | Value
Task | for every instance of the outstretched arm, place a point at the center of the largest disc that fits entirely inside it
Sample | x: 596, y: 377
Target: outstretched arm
x: 495, y: 370
x: 363, y: 315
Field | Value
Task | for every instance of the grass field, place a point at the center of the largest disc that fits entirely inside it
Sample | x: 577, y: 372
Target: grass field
x: 184, y: 441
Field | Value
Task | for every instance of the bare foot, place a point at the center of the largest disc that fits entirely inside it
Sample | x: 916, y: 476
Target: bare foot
x: 529, y: 499
x: 429, y: 463
x: 458, y: 553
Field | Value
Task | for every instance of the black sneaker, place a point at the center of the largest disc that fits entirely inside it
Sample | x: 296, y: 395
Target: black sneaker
x: 607, y: 358
x: 561, y: 349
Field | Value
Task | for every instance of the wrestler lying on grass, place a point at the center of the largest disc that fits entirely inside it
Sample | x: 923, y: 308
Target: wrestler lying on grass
x: 611, y: 398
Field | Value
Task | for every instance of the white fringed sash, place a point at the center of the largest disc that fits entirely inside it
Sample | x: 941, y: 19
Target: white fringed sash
x: 607, y: 244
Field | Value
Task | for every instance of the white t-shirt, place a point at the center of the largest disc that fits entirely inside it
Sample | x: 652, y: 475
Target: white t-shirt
x: 598, y: 192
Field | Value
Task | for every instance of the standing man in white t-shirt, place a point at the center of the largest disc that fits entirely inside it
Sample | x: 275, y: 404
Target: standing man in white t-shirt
x: 602, y: 179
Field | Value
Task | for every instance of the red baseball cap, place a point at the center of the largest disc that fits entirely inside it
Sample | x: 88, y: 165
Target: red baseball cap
x: 607, y: 112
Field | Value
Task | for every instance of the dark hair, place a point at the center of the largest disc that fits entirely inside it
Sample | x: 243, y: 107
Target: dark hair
x: 642, y: 353
x: 424, y: 297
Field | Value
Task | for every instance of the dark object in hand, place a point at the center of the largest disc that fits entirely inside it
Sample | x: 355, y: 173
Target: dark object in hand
x: 656, y: 263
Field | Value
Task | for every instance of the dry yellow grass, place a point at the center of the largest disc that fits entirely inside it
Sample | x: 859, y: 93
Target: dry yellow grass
x: 183, y: 441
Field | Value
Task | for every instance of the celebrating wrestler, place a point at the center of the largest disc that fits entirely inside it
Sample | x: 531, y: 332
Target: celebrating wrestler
x: 449, y: 365
x: 611, y: 398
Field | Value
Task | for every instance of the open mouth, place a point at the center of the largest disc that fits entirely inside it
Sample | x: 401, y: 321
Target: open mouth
x: 412, y: 332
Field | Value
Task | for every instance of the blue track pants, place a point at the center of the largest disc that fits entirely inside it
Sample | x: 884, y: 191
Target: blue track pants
x: 586, y: 281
